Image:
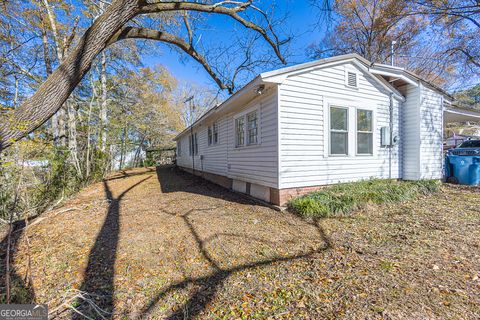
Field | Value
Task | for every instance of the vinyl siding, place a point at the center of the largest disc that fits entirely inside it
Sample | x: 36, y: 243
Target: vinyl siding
x: 258, y: 163
x: 303, y: 153
x: 294, y: 133
x: 410, y: 139
x: 255, y: 164
x: 422, y: 140
x: 431, y: 134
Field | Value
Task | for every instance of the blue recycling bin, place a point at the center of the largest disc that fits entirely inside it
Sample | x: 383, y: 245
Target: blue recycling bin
x: 465, y: 169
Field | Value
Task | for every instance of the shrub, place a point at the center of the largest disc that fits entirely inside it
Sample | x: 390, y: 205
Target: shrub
x: 344, y: 198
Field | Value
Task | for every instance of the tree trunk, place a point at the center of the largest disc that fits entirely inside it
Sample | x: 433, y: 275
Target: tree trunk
x: 58, y: 123
x: 89, y: 118
x: 72, y: 137
x: 62, y: 127
x: 123, y: 146
x: 48, y: 69
x: 137, y: 153
x: 103, y: 105
x: 51, y: 95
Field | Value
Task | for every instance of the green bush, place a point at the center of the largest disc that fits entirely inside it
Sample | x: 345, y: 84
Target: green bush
x: 344, y: 198
x: 32, y: 189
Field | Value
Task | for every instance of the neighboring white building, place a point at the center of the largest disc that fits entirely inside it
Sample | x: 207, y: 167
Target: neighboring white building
x: 295, y: 129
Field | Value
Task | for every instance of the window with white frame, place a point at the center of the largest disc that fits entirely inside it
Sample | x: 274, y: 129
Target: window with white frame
x: 179, y: 148
x: 338, y: 131
x: 192, y: 144
x: 239, y: 132
x: 210, y: 136
x: 252, y: 128
x: 246, y: 129
x: 215, y: 132
x: 364, y: 131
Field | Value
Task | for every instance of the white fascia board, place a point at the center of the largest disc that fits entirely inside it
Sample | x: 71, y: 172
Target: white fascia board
x: 398, y: 75
x: 387, y: 86
x: 471, y: 115
x: 312, y: 64
x: 279, y: 76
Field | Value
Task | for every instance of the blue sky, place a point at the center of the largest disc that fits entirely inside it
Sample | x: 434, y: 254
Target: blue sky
x: 301, y: 22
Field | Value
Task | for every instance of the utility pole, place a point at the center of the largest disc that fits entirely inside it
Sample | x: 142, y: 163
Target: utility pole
x: 392, y: 53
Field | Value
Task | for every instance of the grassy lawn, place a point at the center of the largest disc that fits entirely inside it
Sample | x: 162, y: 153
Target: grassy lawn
x: 348, y: 197
x: 162, y: 245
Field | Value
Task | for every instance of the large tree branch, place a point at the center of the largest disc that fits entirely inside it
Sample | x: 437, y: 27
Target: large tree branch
x: 51, y: 95
x: 144, y: 33
x: 218, y: 8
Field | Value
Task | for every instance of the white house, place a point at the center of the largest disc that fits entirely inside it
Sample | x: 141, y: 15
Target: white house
x: 295, y: 129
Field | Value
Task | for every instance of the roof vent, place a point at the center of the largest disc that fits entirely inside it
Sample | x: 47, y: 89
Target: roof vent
x: 352, y: 79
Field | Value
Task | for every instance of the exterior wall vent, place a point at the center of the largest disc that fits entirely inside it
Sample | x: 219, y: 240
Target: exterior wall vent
x: 352, y: 79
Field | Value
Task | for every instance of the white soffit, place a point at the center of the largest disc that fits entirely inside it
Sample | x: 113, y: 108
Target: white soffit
x: 460, y: 115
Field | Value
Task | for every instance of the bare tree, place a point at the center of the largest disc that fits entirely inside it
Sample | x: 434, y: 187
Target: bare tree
x: 436, y: 39
x: 110, y: 27
x: 369, y: 27
x: 461, y: 19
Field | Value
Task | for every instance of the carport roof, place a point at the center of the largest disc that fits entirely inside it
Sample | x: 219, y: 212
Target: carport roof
x: 455, y: 114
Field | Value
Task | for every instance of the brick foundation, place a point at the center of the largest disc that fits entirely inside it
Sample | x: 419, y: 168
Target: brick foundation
x: 278, y: 197
x: 282, y: 196
x: 215, y: 178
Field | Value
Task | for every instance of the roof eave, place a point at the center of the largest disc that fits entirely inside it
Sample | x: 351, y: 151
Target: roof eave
x: 239, y: 94
x: 409, y: 77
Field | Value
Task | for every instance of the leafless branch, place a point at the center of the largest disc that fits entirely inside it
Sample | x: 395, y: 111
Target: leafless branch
x: 189, y: 29
x: 143, y: 33
x: 232, y: 12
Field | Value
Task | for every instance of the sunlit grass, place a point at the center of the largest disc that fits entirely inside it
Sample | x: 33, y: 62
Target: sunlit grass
x: 348, y: 197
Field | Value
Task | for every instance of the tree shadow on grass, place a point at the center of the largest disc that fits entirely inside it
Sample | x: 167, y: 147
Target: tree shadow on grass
x: 126, y: 174
x: 172, y: 179
x: 208, y: 286
x: 21, y: 289
x: 98, y: 281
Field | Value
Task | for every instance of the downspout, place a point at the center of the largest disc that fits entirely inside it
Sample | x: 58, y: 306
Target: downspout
x: 391, y: 137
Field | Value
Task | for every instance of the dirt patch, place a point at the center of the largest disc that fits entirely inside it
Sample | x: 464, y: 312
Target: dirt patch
x: 163, y: 244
